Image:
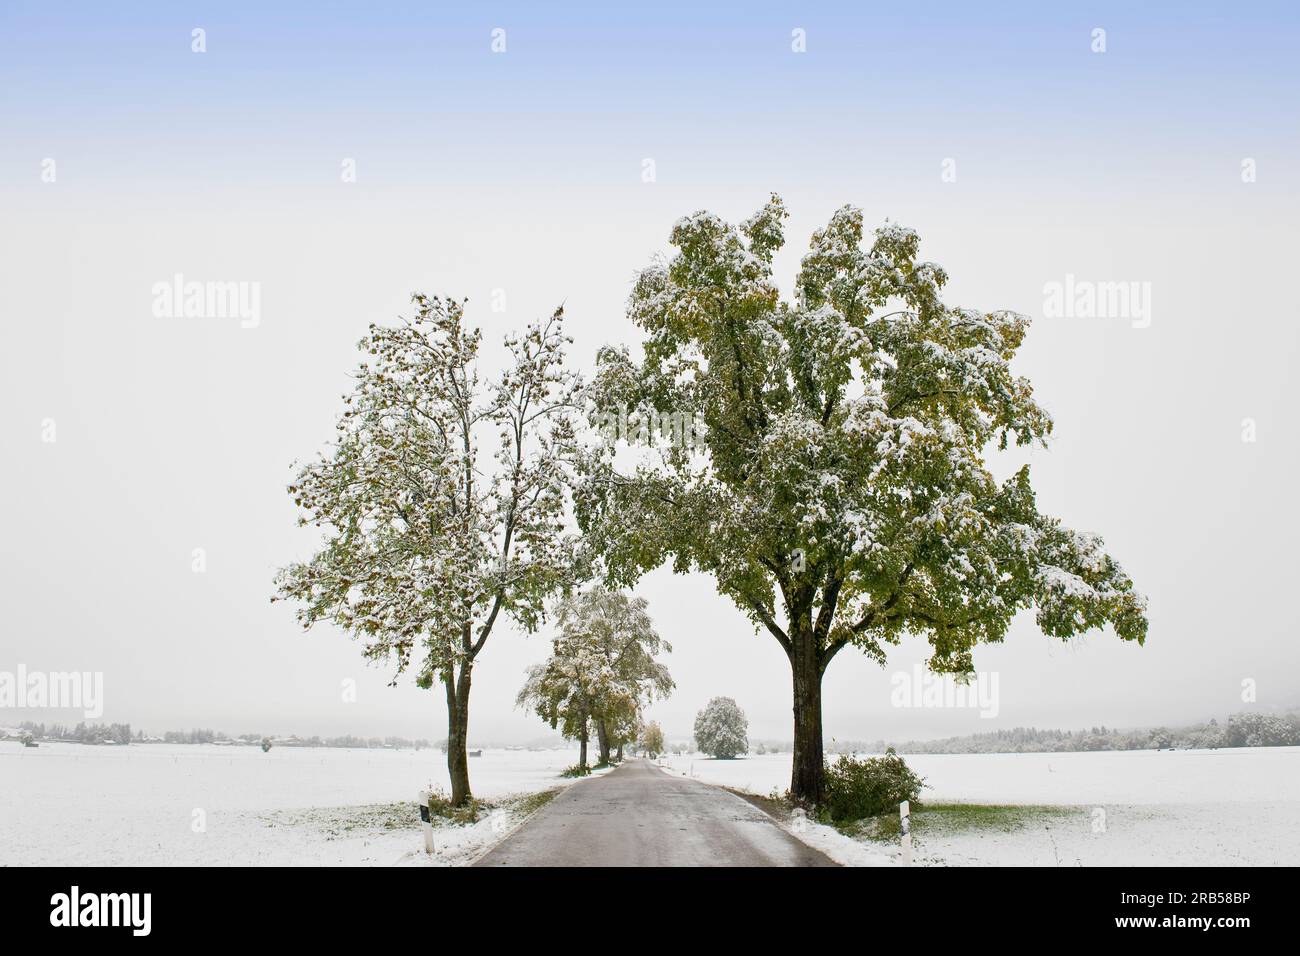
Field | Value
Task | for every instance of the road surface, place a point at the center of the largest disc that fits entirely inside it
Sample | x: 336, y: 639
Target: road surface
x: 638, y: 815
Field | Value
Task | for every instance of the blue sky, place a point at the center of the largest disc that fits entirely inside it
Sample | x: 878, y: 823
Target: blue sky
x: 716, y: 90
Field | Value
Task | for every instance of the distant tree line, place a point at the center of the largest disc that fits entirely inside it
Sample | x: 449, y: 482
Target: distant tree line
x: 1240, y: 730
x: 121, y: 734
x: 81, y: 734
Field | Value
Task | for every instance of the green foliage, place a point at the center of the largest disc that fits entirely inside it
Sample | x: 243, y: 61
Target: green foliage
x: 652, y: 739
x: 856, y: 789
x: 530, y: 802
x: 341, y: 822
x: 440, y: 806
x: 948, y: 819
x: 602, y: 667
x: 577, y: 770
x: 441, y: 503
x: 839, y: 494
x: 424, y: 544
x: 842, y: 463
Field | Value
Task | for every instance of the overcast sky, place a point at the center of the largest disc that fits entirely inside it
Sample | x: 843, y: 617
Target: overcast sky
x: 523, y: 171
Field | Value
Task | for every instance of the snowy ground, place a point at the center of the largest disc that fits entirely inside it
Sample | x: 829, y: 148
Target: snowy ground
x: 72, y: 804
x: 65, y: 804
x: 1178, y: 808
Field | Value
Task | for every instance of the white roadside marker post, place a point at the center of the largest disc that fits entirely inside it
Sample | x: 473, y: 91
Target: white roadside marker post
x: 425, y: 822
x: 905, y: 826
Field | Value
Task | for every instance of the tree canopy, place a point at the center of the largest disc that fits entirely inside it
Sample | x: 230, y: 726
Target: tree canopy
x: 602, y: 671
x: 838, y: 493
x: 442, y: 502
x: 721, y: 729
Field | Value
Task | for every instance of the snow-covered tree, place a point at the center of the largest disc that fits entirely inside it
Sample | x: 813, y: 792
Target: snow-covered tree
x: 562, y: 690
x: 1258, y: 730
x: 442, y: 501
x: 652, y: 739
x: 721, y: 729
x: 626, y: 637
x: 838, y: 493
x: 602, y: 670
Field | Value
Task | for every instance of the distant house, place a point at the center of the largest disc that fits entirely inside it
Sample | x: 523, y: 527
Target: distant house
x: 476, y: 753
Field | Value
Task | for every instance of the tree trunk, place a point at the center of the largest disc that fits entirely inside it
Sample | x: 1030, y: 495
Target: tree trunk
x: 618, y: 754
x: 458, y: 735
x: 582, y: 752
x: 809, y: 767
x: 602, y: 736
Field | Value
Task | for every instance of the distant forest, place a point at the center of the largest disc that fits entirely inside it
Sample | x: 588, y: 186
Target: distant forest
x: 1251, y: 729
x: 121, y: 734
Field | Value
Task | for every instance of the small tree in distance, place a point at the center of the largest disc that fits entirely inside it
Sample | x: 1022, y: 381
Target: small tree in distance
x: 601, y: 671
x: 563, y: 692
x: 621, y: 631
x: 652, y: 739
x: 721, y: 729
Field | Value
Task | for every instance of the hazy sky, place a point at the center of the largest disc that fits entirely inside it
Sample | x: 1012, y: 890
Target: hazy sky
x: 523, y: 171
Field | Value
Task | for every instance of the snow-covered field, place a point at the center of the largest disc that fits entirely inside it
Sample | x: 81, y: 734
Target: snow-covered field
x: 71, y: 804
x: 1185, y: 807
x: 65, y: 804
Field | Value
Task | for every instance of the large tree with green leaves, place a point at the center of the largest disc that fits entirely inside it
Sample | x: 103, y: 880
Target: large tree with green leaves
x: 442, y: 501
x: 839, y: 493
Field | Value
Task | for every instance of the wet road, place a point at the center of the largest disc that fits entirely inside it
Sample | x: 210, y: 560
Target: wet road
x: 637, y: 815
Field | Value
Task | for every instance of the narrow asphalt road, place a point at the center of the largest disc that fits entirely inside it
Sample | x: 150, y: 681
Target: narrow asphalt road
x: 638, y: 815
